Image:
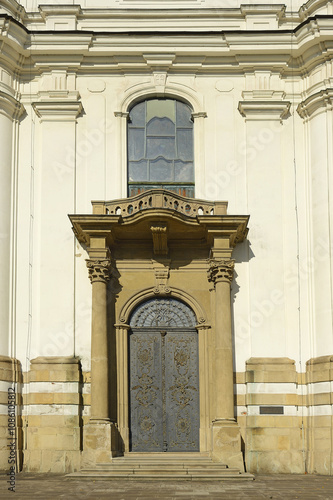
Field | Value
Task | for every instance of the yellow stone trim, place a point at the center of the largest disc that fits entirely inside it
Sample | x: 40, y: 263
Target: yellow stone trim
x: 40, y: 398
x: 271, y: 399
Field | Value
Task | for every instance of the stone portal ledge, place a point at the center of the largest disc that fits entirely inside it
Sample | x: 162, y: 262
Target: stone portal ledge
x: 159, y: 198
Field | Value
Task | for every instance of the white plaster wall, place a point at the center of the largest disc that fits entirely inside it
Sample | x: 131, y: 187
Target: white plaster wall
x: 281, y: 306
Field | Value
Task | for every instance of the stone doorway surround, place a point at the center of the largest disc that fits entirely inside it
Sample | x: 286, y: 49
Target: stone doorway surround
x: 159, y: 244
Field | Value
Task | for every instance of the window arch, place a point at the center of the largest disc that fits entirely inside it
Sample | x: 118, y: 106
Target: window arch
x: 160, y: 147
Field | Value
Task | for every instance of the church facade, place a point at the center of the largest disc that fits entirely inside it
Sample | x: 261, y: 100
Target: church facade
x: 166, y: 234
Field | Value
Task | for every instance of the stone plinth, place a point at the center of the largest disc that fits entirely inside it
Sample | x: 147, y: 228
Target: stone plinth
x: 226, y: 438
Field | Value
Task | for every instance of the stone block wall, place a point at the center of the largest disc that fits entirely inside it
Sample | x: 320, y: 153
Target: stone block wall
x: 285, y: 416
x: 319, y: 377
x: 10, y: 413
x: 52, y: 420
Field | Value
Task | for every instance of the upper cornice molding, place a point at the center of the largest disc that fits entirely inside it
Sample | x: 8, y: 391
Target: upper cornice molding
x: 296, y: 50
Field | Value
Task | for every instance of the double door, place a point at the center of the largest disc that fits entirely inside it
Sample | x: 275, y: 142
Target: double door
x: 164, y: 390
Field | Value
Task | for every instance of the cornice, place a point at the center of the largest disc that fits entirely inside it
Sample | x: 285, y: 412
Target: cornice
x: 14, y: 9
x: 193, y: 51
x: 318, y: 102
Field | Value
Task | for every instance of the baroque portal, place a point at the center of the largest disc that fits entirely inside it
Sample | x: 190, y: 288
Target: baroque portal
x: 164, y: 378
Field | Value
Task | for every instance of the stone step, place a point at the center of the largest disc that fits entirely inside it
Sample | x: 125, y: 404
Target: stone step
x: 163, y: 470
x: 158, y: 477
x: 161, y: 467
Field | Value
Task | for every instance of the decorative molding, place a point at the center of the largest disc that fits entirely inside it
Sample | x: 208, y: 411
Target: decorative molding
x: 160, y: 80
x: 121, y: 114
x: 157, y: 61
x: 200, y: 114
x: 99, y: 270
x: 10, y: 107
x: 322, y: 101
x: 57, y: 111
x: 161, y: 278
x: 262, y: 110
x: 160, y: 238
x: 221, y: 270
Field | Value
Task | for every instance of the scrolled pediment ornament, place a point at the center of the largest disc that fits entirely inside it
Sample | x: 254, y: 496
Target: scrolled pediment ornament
x: 221, y: 270
x: 99, y: 270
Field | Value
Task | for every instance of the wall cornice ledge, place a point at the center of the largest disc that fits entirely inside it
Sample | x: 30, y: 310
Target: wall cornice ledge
x: 318, y: 102
x: 264, y: 105
x: 58, y: 106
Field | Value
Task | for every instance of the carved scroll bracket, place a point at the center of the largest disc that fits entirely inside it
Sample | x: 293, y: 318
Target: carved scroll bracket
x: 221, y: 270
x: 160, y: 238
x: 99, y: 270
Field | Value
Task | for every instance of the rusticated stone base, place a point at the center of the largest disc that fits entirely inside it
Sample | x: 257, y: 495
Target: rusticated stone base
x: 227, y: 444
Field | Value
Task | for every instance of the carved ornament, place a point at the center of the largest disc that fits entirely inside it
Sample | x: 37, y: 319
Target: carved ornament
x: 99, y: 270
x: 221, y: 270
x: 161, y: 280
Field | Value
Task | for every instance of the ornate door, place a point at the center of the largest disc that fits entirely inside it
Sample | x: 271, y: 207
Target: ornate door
x: 164, y: 385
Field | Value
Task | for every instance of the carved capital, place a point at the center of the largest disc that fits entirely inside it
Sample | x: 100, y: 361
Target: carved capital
x: 99, y: 270
x: 221, y: 270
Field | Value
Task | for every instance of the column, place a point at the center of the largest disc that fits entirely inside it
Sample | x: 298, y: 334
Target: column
x: 221, y: 274
x: 226, y: 437
x: 100, y: 435
x: 99, y: 274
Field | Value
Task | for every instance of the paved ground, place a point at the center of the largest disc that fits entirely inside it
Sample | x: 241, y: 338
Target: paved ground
x: 277, y: 487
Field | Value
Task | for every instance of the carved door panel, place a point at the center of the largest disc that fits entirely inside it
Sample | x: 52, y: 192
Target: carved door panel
x: 146, y: 392
x: 164, y: 390
x: 182, y: 391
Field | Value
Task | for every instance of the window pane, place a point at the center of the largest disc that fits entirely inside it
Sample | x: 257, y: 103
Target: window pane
x: 138, y: 115
x: 185, y: 144
x: 161, y: 108
x: 161, y: 170
x: 136, y: 143
x: 160, y: 126
x: 137, y: 171
x: 183, y: 115
x: 161, y: 146
x: 184, y: 172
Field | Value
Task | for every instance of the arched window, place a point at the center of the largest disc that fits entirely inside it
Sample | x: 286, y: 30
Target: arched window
x: 160, y: 147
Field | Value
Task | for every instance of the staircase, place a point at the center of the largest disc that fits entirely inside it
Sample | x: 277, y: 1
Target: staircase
x: 159, y: 466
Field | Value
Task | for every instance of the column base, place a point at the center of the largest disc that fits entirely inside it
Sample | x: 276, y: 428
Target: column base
x: 100, y: 443
x: 226, y: 440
